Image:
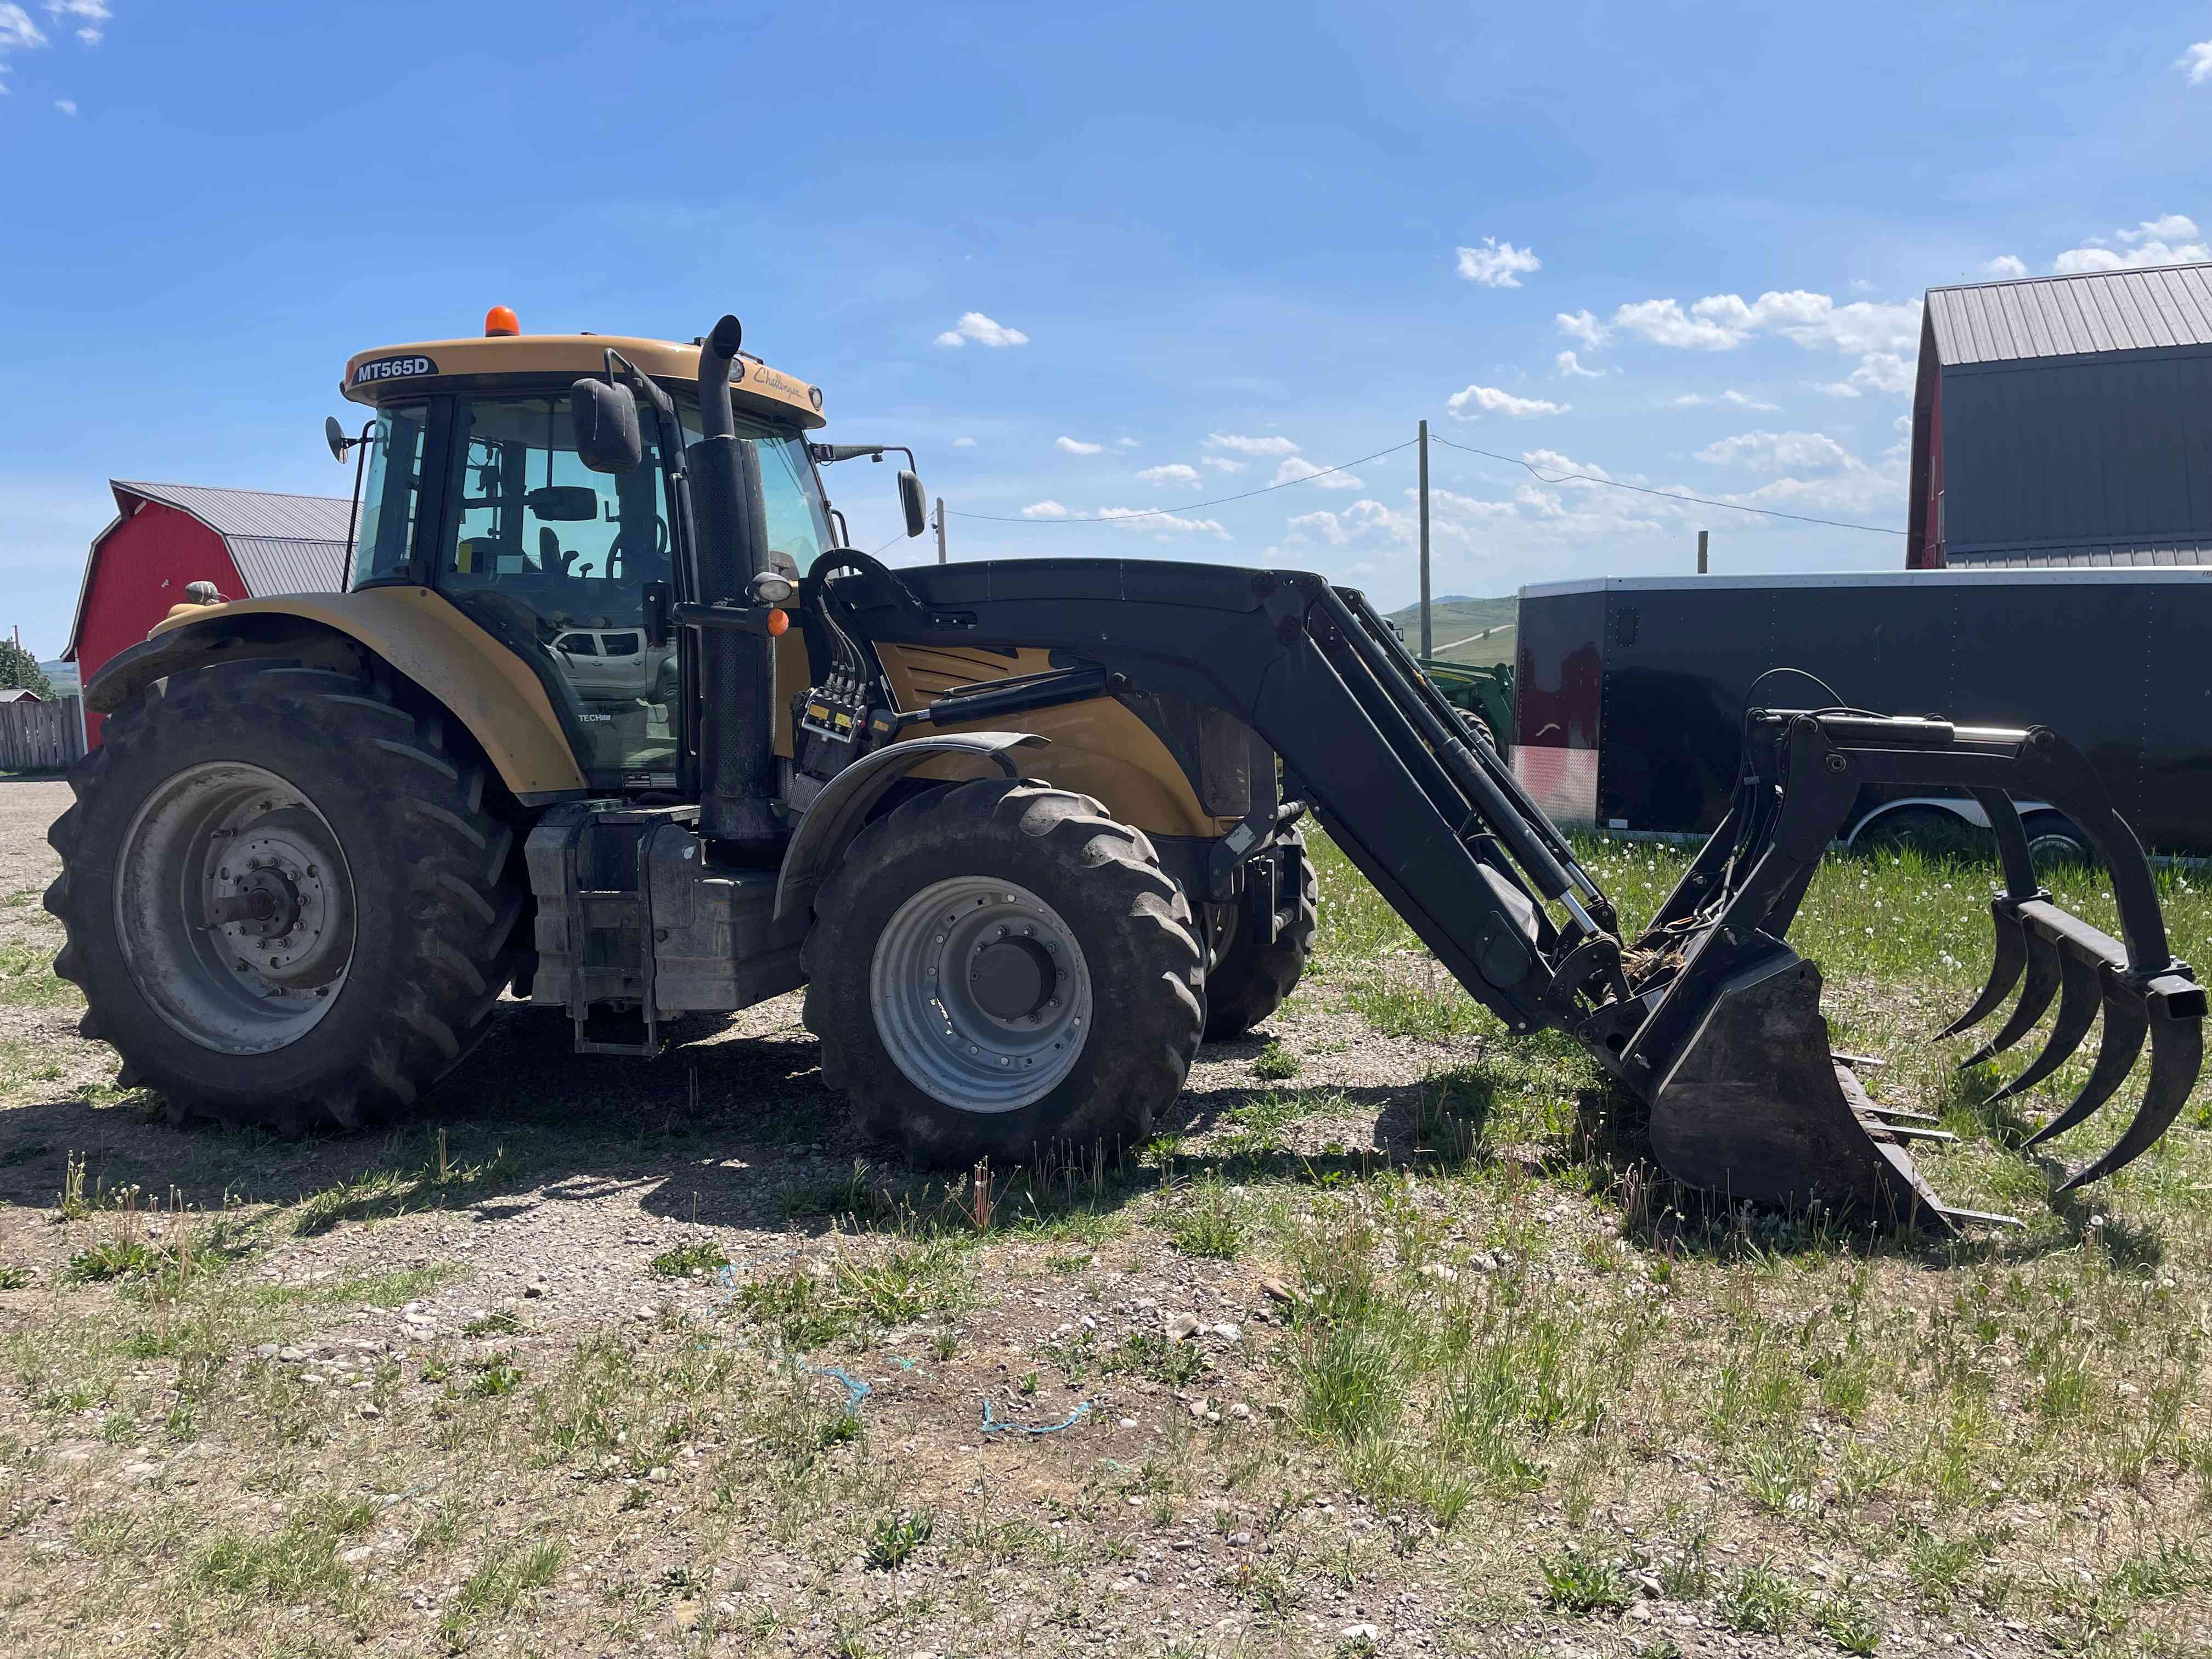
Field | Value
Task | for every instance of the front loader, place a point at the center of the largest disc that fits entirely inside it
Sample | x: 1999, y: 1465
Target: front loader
x: 1027, y: 831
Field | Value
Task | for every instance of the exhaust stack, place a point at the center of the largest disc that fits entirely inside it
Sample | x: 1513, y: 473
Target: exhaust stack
x: 737, y: 761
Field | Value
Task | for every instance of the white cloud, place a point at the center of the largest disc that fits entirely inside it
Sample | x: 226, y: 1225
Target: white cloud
x: 1145, y: 518
x: 964, y: 443
x: 1584, y: 326
x: 2165, y: 240
x: 1498, y: 264
x: 1780, y: 451
x: 66, y: 105
x: 1046, y: 510
x: 1478, y: 400
x: 1243, y: 446
x: 2005, y: 265
x: 1295, y: 467
x: 2197, y: 60
x: 93, y: 14
x: 1571, y: 366
x: 1550, y: 460
x: 1076, y: 446
x: 17, y: 33
x: 1663, y: 322
x: 1722, y: 322
x: 1222, y: 463
x: 1126, y: 443
x: 974, y: 326
x: 1692, y: 400
x: 1743, y: 400
x: 1174, y: 472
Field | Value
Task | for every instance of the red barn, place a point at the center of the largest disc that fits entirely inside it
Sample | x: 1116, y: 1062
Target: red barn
x: 249, y: 542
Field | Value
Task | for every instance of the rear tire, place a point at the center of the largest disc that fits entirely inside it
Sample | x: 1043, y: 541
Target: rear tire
x: 399, y: 886
x: 1250, y: 981
x: 943, y: 1030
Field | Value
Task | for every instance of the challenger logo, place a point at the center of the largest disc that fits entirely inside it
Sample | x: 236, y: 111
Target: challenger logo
x: 393, y: 369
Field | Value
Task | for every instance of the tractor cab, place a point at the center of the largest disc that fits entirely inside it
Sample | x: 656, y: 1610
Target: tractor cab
x: 470, y: 484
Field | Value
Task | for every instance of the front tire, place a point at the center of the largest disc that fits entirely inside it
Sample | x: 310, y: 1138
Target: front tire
x: 998, y: 966
x: 1250, y: 981
x: 286, y: 901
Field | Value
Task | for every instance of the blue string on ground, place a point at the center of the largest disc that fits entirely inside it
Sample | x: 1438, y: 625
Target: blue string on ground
x: 992, y: 1426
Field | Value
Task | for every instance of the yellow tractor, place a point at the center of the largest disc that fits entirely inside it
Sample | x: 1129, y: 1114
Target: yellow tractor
x: 612, y: 716
x: 324, y: 832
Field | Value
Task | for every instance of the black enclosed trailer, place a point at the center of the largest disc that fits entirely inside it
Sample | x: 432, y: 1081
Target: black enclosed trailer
x: 1630, y: 691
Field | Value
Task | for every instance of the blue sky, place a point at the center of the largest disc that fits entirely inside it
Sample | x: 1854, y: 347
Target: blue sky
x: 1197, y: 248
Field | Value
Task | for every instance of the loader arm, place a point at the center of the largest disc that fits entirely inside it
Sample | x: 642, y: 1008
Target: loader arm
x: 1708, y: 1016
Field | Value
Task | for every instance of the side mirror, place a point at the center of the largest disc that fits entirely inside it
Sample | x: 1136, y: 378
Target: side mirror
x: 910, y: 498
x: 607, y: 435
x: 335, y: 436
x: 564, y: 503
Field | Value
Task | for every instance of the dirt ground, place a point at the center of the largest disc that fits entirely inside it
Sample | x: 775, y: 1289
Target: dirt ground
x: 606, y: 1356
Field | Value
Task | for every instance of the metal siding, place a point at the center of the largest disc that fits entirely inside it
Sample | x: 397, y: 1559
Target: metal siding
x: 2106, y: 451
x: 2186, y: 554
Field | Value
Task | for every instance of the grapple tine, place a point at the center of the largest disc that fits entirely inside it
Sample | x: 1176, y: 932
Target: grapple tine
x: 2004, y: 972
x: 2177, y: 1052
x: 2126, y: 1021
x: 2078, y: 1012
x: 2042, y: 984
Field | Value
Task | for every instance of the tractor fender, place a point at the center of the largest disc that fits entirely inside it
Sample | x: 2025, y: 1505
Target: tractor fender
x: 422, y: 636
x: 840, y: 812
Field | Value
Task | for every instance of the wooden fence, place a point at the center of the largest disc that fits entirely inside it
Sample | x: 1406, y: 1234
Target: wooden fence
x: 40, y: 737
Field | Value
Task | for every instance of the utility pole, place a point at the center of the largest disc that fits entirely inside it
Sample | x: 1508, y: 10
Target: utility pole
x: 1426, y: 641
x: 1701, y: 552
x: 940, y: 529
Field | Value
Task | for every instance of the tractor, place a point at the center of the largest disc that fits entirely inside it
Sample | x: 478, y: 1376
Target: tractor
x: 1026, y: 831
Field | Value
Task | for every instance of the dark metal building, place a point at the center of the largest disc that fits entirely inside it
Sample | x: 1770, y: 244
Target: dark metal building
x: 2065, y: 421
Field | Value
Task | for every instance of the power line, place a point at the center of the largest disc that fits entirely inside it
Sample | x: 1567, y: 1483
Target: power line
x: 1193, y: 507
x: 1667, y: 495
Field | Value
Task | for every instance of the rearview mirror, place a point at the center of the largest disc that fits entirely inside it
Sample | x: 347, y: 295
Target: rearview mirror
x: 335, y: 436
x: 910, y: 498
x: 564, y: 503
x: 607, y: 435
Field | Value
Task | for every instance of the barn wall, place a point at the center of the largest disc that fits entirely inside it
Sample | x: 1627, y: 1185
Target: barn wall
x: 2092, y: 451
x: 138, y: 571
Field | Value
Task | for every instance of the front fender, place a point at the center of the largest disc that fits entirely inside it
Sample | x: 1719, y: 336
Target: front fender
x: 838, y: 813
x: 477, y: 680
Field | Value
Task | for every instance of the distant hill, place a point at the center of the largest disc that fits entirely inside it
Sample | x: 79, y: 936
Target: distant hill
x: 65, y: 677
x: 1466, y: 629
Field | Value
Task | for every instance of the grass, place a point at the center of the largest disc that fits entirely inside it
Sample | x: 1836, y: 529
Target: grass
x: 1516, y: 1378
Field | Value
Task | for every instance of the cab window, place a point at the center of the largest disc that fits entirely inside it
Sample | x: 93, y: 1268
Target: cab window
x: 391, y: 495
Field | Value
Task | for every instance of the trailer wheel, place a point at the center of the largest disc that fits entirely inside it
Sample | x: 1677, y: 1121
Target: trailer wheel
x: 285, y: 900
x: 1250, y: 981
x: 2054, y: 838
x: 998, y: 966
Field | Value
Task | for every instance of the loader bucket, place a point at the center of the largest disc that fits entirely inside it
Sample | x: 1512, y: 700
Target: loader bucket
x: 1722, y: 1033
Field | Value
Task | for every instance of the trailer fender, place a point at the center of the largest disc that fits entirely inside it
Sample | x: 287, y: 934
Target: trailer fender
x: 838, y: 814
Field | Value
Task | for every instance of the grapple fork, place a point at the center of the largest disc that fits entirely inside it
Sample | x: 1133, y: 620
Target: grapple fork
x: 1722, y: 1034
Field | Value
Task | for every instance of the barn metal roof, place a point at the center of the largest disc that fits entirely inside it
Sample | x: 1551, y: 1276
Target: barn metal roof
x: 2068, y: 316
x: 254, y: 513
x: 280, y: 543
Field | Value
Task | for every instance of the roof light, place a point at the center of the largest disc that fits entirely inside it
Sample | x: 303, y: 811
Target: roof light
x: 501, y: 320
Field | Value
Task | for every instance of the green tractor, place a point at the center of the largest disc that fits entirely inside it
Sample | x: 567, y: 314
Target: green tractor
x: 1482, y: 692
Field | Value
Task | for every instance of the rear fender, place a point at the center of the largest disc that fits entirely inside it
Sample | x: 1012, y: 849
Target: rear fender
x: 420, y: 634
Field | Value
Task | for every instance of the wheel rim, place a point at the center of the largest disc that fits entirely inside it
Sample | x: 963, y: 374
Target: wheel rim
x: 980, y: 993
x: 234, y: 908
